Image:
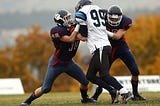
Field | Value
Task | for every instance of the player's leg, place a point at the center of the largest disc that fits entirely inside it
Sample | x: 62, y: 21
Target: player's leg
x: 110, y: 80
x: 76, y: 72
x: 99, y: 89
x: 36, y: 94
x: 102, y: 61
x: 97, y: 93
x: 51, y: 74
x: 94, y: 66
x: 130, y: 62
x: 104, y: 70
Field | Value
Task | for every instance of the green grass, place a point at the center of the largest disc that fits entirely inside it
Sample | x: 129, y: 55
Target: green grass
x: 73, y: 99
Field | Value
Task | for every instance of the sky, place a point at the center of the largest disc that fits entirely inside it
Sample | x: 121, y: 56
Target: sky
x: 27, y: 6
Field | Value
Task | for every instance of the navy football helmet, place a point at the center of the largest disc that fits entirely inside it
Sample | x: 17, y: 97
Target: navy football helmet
x: 81, y: 3
x: 63, y: 18
x: 114, y: 15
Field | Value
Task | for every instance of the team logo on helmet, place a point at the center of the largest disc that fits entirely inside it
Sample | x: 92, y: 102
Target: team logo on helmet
x: 63, y: 18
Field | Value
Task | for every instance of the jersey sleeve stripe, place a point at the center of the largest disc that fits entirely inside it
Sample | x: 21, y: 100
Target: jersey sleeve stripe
x: 81, y: 15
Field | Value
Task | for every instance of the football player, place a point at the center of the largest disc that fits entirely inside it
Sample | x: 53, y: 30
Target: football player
x: 118, y: 23
x: 93, y: 28
x: 61, y: 61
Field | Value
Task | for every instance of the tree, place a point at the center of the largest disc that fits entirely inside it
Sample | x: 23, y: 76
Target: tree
x: 34, y: 50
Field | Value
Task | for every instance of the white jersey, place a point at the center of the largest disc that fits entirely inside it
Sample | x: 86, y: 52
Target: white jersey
x: 97, y: 33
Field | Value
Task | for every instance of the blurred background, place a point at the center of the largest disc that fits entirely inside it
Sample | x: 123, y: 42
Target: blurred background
x: 25, y: 44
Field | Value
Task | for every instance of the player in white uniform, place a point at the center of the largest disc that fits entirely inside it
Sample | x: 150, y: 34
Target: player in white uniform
x: 93, y: 30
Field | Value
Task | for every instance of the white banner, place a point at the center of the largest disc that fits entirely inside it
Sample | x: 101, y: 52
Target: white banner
x: 11, y: 86
x: 147, y: 83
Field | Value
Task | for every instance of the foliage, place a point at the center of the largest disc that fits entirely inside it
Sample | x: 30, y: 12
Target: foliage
x: 29, y: 58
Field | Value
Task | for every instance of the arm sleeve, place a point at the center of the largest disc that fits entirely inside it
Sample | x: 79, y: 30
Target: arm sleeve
x: 80, y: 19
x: 83, y: 30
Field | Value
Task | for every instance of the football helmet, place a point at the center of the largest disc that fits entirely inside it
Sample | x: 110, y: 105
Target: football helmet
x: 81, y: 3
x: 63, y: 18
x: 114, y: 15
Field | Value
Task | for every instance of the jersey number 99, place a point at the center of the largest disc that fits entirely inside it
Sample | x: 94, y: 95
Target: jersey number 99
x: 98, y: 17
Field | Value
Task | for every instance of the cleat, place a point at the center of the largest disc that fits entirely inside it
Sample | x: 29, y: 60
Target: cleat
x: 137, y: 97
x: 95, y: 100
x: 24, y: 104
x: 88, y: 100
x: 114, y: 96
x: 97, y: 93
x: 126, y: 97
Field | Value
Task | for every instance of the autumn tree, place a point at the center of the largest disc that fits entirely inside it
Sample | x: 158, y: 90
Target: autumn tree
x: 28, y: 59
x: 10, y: 69
x: 34, y: 50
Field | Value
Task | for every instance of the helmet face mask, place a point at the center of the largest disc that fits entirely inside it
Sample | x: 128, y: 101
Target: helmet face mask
x: 114, y: 15
x: 67, y: 21
x: 63, y: 18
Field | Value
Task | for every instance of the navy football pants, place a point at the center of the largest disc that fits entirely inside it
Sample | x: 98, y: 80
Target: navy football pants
x: 123, y: 52
x: 70, y: 68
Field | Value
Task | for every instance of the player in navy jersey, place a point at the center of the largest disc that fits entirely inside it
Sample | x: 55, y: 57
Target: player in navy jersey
x: 93, y: 29
x: 61, y: 61
x: 118, y: 23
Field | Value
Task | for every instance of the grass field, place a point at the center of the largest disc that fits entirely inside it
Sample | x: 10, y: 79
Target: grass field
x: 73, y: 99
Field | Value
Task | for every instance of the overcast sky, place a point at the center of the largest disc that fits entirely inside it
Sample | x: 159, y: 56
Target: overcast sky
x: 27, y: 6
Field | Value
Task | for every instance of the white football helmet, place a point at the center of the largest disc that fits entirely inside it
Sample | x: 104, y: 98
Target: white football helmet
x: 81, y: 3
x: 114, y: 15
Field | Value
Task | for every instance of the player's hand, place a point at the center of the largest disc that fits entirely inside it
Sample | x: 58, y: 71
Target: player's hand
x: 71, y: 28
x: 116, y: 37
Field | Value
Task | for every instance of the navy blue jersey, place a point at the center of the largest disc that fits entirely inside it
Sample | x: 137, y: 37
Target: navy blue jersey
x: 65, y: 51
x: 125, y: 24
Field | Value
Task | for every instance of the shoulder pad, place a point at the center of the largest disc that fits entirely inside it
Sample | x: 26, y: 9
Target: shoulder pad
x: 81, y: 15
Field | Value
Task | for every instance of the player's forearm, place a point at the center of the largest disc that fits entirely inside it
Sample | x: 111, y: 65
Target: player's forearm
x: 116, y: 35
x: 72, y: 37
x: 119, y: 34
x: 81, y: 37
